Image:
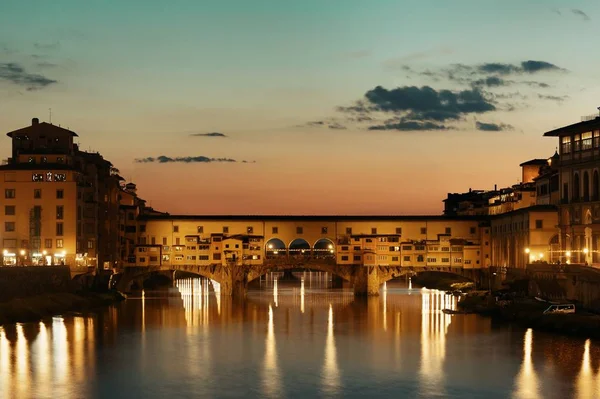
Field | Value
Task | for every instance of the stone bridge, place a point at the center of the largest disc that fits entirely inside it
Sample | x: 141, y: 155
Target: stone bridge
x: 234, y: 278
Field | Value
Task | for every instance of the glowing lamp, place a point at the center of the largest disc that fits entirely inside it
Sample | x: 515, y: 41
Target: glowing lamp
x: 527, y: 250
x: 568, y: 254
x: 585, y: 250
x: 22, y: 252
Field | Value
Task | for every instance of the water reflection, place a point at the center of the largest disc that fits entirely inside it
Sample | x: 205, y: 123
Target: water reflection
x: 290, y: 338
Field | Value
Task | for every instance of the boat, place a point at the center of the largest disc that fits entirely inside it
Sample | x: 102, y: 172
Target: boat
x: 565, y: 308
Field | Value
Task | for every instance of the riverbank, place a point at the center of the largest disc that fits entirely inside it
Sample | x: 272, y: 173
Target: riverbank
x: 37, y: 307
x: 528, y: 312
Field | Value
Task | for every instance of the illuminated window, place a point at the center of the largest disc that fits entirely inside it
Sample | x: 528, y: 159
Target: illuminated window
x: 59, y: 243
x: 9, y: 193
x: 37, y: 177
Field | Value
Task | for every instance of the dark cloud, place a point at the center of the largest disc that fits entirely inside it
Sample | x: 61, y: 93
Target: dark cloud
x: 197, y: 159
x: 552, y: 98
x: 538, y: 66
x: 16, y: 74
x: 492, y: 127
x: 315, y: 123
x: 211, y: 134
x: 529, y: 66
x: 581, y: 14
x: 329, y: 124
x: 491, y: 81
x: 423, y: 103
x: 407, y: 125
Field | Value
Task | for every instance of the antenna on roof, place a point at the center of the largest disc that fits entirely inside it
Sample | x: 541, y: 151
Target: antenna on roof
x: 50, y: 112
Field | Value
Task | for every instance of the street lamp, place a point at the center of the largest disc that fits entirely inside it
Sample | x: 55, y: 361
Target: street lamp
x: 527, y: 257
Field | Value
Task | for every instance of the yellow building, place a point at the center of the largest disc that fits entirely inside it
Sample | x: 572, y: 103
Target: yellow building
x: 524, y: 236
x: 578, y: 169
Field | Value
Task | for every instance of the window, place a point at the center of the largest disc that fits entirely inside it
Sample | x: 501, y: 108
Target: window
x: 9, y: 210
x: 539, y: 224
x: 423, y: 230
x: 59, y: 229
x: 9, y: 226
x: 48, y: 243
x: 60, y: 194
x: 250, y: 230
x: 9, y: 193
x: 373, y: 230
x: 44, y: 159
x: 90, y: 244
x: 420, y: 258
x: 357, y: 248
x: 299, y: 230
x: 406, y: 258
x: 472, y: 230
x: 323, y: 230
x: 345, y: 257
x: 431, y: 260
x: 399, y: 230
x: 37, y: 193
x: 142, y: 228
x: 175, y: 229
x: 445, y: 260
x: 60, y: 212
x: 200, y: 229
x: 177, y: 241
x: 59, y: 243
x: 457, y: 260
x: 449, y: 230
x: 153, y: 240
x: 225, y: 229
x: 37, y: 177
x: 31, y: 160
x: 216, y: 256
x: 566, y: 144
x: 348, y: 230
x: 356, y: 257
x: 164, y: 240
x: 142, y: 259
x: 60, y: 177
x: 394, y: 259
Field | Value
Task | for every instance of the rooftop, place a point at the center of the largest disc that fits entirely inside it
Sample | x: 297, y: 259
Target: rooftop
x: 41, y: 128
x: 536, y: 161
x: 315, y: 218
x: 575, y: 128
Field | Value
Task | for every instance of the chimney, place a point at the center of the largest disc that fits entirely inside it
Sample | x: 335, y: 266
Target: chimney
x: 35, y: 121
x: 495, y: 187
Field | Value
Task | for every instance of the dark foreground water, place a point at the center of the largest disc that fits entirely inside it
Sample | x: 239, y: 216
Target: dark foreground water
x: 290, y: 340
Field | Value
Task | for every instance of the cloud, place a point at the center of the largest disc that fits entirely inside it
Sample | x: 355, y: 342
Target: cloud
x: 211, y: 134
x: 552, y: 98
x: 47, y: 46
x: 424, y: 103
x: 492, y: 127
x: 16, y: 74
x: 336, y: 126
x: 407, y: 125
x: 538, y: 66
x: 329, y: 124
x: 196, y: 159
x: 580, y: 14
x: 491, y: 81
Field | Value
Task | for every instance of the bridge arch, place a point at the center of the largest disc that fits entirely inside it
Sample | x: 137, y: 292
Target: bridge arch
x: 275, y: 247
x: 321, y: 266
x: 324, y: 247
x: 300, y: 247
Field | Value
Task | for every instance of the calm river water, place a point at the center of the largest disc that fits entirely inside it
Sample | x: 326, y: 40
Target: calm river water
x: 290, y: 339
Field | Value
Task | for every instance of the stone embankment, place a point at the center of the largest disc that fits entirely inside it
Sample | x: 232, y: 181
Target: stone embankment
x: 528, y: 312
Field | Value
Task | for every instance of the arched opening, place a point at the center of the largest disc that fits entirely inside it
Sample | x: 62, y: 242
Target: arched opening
x: 576, y: 188
x: 300, y: 247
x: 324, y: 248
x: 586, y: 186
x: 595, y: 187
x: 274, y: 248
x: 554, y: 249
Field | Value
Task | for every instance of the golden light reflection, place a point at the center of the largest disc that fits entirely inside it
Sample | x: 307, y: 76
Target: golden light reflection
x: 586, y: 381
x: 5, y: 364
x: 42, y: 361
x: 217, y: 288
x: 331, y: 372
x: 302, y: 295
x: 527, y: 384
x: 60, y: 349
x: 22, y: 355
x: 385, y: 306
x: 275, y: 292
x: 271, y: 377
x: 79, y: 336
x: 195, y: 293
x: 434, y: 327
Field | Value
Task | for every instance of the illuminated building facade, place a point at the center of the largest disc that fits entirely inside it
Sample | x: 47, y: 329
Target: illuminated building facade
x: 60, y: 205
x: 578, y: 169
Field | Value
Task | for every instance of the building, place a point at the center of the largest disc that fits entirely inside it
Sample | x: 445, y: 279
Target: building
x: 362, y: 240
x: 61, y: 205
x: 578, y: 168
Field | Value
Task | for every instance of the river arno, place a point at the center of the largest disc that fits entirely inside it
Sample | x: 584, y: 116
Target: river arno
x: 290, y: 340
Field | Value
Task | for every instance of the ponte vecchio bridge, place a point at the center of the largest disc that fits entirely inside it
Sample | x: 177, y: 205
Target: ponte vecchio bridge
x: 363, y: 250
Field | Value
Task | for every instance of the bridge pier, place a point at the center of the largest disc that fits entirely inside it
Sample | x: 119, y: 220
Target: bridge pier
x: 366, y: 281
x: 234, y: 281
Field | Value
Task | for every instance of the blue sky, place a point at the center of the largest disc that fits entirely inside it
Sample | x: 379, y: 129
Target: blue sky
x: 147, y: 74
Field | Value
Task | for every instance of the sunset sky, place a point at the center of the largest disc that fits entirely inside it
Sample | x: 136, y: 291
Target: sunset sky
x: 337, y: 107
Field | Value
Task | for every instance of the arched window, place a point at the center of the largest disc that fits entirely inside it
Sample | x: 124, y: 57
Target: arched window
x: 586, y: 186
x: 576, y: 187
x: 595, y: 187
